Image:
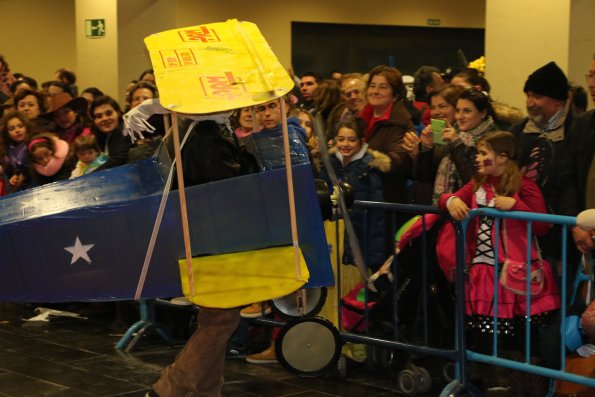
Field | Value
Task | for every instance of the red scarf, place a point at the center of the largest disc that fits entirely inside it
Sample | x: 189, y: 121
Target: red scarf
x: 367, y: 114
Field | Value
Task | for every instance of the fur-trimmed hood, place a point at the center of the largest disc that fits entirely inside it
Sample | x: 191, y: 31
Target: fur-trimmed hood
x: 507, y: 114
x: 379, y: 160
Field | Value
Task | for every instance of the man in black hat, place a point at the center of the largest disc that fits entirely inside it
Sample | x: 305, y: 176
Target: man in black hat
x: 543, y: 142
x: 543, y: 134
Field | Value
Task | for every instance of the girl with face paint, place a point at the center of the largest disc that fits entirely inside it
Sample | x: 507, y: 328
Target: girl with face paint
x: 499, y: 184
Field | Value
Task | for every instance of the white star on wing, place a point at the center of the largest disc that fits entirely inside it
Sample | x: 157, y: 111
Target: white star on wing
x: 79, y: 250
x: 27, y: 204
x: 34, y: 204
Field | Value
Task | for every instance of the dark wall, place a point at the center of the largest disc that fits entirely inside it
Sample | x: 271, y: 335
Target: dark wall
x: 322, y: 47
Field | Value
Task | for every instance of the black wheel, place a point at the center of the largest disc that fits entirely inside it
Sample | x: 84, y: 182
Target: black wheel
x: 372, y: 353
x: 379, y: 357
x: 408, y: 382
x: 287, y: 306
x: 424, y: 379
x: 449, y: 371
x: 309, y: 346
x: 387, y: 357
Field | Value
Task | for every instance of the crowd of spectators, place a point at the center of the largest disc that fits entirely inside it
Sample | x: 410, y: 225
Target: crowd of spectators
x: 390, y: 146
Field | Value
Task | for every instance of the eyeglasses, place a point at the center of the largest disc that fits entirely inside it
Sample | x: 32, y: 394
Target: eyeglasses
x: 590, y: 76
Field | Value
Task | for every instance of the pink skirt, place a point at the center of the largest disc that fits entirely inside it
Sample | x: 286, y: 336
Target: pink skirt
x: 479, y: 292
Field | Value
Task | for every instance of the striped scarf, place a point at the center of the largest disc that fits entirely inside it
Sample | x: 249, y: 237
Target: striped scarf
x: 448, y: 179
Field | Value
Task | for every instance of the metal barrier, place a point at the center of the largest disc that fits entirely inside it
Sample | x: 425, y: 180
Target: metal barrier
x: 565, y: 222
x: 454, y: 353
x: 460, y: 354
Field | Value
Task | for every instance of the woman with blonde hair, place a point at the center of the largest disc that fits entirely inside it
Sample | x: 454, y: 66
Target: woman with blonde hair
x: 307, y: 122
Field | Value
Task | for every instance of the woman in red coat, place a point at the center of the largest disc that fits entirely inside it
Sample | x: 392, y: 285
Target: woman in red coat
x: 387, y: 120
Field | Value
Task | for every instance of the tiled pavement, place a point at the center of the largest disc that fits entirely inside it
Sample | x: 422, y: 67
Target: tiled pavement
x: 76, y: 358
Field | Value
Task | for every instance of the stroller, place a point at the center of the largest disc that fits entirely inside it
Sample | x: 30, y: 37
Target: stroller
x: 409, y: 302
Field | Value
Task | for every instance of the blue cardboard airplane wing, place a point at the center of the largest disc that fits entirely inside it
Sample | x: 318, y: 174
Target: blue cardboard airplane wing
x: 85, y: 239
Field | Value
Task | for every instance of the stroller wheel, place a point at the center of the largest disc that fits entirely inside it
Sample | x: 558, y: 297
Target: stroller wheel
x: 309, y: 346
x: 378, y: 357
x: 448, y: 371
x: 342, y: 366
x: 424, y: 379
x: 408, y: 382
x: 386, y: 358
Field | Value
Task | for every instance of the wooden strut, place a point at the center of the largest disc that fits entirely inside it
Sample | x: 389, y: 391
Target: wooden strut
x: 301, y: 293
x: 289, y: 173
x: 183, y: 207
x: 156, y: 225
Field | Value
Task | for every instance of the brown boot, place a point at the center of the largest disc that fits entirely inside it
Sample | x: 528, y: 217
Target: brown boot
x: 268, y: 356
x: 256, y: 310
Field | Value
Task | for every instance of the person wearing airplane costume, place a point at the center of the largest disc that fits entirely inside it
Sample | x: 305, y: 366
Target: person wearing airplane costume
x: 198, y: 368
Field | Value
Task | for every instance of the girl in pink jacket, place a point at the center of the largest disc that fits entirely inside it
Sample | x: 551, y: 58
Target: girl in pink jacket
x: 500, y: 185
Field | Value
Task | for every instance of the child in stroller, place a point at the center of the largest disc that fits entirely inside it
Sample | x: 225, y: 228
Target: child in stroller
x: 409, y: 299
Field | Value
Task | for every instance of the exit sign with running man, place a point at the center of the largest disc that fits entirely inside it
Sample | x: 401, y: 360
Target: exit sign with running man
x: 95, y: 28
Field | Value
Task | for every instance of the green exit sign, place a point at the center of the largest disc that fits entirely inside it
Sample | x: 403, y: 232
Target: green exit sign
x: 95, y: 27
x: 434, y: 22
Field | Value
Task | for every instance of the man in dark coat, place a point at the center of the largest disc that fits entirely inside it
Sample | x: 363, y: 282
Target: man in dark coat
x: 579, y: 170
x: 542, y: 136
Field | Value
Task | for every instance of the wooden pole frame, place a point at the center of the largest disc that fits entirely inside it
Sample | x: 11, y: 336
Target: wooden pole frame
x: 183, y: 207
x: 290, y: 193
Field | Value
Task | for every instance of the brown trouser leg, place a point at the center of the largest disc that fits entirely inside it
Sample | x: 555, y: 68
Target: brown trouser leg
x: 198, y: 368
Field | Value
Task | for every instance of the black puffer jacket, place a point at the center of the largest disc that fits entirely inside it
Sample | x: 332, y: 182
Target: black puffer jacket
x: 365, y: 177
x: 212, y: 153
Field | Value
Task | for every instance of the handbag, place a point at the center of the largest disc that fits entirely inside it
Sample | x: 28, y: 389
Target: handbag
x: 513, y: 276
